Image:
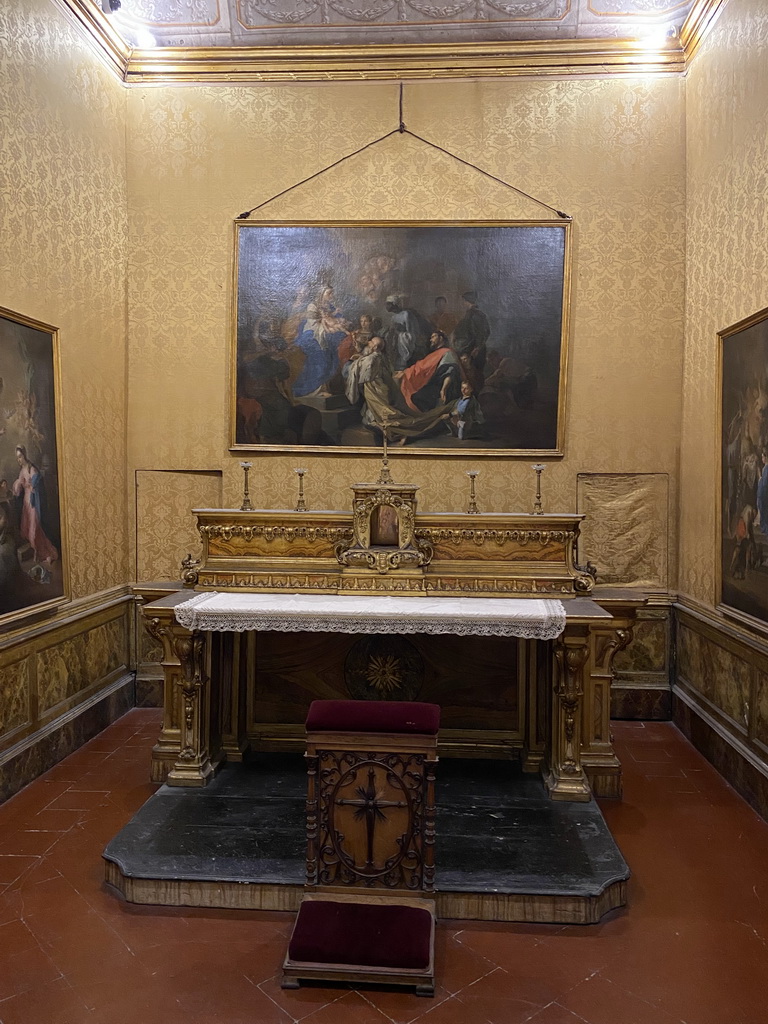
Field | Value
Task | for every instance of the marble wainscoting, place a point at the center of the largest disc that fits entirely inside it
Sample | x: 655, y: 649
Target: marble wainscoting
x: 641, y: 687
x: 720, y: 698
x: 61, y: 682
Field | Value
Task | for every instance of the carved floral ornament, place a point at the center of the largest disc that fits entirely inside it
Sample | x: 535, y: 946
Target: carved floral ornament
x: 406, y: 584
x: 432, y: 534
x: 251, y: 13
x: 498, y: 537
x: 289, y: 533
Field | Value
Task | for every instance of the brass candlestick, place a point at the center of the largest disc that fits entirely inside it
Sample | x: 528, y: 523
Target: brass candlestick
x: 246, y: 506
x: 539, y: 468
x: 301, y: 505
x: 472, y: 508
x: 385, y: 476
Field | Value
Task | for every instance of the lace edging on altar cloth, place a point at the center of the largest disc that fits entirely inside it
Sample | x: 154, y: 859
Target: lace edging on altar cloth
x: 528, y: 618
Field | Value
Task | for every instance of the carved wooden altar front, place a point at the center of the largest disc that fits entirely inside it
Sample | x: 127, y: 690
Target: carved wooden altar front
x: 220, y: 697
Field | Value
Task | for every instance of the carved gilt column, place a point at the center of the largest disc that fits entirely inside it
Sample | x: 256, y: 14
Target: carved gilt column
x: 193, y: 765
x: 565, y: 778
x: 166, y: 749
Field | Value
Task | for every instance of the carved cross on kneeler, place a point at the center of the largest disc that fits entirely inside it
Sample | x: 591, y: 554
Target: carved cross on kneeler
x: 369, y: 806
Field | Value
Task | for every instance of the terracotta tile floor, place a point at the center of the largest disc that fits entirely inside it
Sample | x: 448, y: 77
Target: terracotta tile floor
x: 691, y: 947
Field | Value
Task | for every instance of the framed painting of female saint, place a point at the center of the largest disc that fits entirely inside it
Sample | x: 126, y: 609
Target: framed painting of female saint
x: 743, y: 442
x: 448, y: 337
x: 32, y: 564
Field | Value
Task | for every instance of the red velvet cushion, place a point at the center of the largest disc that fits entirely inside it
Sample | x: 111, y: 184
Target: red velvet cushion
x: 373, y: 716
x: 364, y: 934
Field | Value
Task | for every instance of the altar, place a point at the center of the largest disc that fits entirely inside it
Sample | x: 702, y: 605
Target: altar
x: 487, y: 614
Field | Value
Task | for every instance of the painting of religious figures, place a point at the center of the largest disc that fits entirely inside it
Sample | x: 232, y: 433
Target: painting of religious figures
x: 743, y: 533
x: 446, y: 337
x: 32, y: 575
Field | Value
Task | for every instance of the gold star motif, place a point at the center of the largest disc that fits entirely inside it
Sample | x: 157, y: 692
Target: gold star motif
x: 383, y: 673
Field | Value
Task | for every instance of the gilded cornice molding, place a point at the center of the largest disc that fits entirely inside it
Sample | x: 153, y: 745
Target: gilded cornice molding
x: 90, y: 17
x: 700, y: 20
x: 398, y: 62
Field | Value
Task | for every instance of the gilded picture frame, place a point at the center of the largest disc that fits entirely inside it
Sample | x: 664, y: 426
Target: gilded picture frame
x: 742, y: 442
x: 33, y: 557
x: 452, y: 336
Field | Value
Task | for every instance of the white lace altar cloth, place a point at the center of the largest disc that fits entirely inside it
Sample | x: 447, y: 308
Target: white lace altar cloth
x: 461, y: 616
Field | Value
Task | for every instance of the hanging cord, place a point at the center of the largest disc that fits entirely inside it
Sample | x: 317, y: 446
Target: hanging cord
x: 244, y: 216
x: 402, y: 130
x: 488, y: 174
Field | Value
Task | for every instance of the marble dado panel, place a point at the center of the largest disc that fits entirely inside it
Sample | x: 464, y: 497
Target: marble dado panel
x: 641, y: 687
x: 50, y: 672
x: 14, y: 694
x: 721, y: 699
x: 760, y: 713
x: 649, y: 651
x: 718, y: 674
x: 68, y: 668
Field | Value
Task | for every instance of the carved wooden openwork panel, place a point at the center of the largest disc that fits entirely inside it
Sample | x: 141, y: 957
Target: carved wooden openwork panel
x: 373, y: 821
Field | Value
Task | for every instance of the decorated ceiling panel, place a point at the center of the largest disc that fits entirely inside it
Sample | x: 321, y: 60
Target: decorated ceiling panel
x: 326, y: 22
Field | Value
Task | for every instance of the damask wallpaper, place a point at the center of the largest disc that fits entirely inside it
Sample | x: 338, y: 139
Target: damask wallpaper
x: 62, y: 260
x: 727, y: 231
x: 63, y: 213
x: 610, y: 153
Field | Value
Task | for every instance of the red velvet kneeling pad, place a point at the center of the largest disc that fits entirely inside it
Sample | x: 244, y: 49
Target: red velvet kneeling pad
x: 373, y: 716
x: 362, y: 934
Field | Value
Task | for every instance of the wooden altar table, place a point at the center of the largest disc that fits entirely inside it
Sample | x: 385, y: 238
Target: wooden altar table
x: 213, y: 665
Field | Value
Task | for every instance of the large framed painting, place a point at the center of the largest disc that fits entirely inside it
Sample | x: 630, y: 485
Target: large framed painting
x: 32, y: 563
x: 743, y: 443
x: 447, y: 337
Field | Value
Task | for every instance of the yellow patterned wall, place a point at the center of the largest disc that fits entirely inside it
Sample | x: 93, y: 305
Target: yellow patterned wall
x: 727, y: 229
x: 62, y: 259
x: 609, y: 152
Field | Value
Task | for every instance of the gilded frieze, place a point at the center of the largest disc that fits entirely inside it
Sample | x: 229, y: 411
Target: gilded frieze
x: 487, y: 545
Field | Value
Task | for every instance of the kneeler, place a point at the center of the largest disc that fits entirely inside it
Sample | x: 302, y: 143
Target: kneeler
x: 368, y: 911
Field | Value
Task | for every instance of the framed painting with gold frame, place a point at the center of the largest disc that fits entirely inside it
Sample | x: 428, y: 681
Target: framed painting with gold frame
x: 451, y: 337
x: 742, y: 527
x: 33, y: 576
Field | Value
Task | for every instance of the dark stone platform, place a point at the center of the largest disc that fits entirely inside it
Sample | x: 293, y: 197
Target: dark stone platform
x: 503, y: 848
